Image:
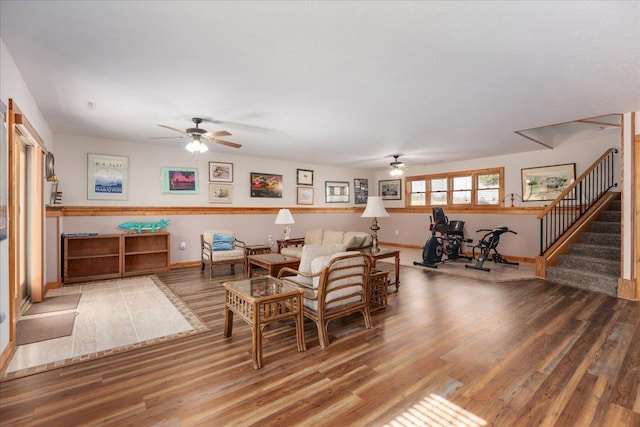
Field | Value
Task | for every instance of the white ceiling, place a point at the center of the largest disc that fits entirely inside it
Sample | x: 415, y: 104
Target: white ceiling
x: 338, y: 83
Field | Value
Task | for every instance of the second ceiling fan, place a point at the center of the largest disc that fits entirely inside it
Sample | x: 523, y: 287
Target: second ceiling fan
x: 197, y: 134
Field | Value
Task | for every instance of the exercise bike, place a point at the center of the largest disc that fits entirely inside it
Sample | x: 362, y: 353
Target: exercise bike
x: 488, y: 243
x: 446, y: 239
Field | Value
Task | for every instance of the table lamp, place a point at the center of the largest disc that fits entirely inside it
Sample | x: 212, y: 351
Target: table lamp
x: 284, y: 217
x: 375, y: 209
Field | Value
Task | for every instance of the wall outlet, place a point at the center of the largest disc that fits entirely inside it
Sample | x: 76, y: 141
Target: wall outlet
x: 183, y: 245
x: 397, y: 232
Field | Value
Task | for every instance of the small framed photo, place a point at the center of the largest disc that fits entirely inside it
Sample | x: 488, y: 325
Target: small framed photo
x: 390, y: 189
x: 360, y: 190
x: 220, y: 193
x: 107, y: 177
x: 220, y: 172
x: 266, y: 185
x: 304, y: 177
x: 305, y: 196
x: 176, y: 180
x: 336, y: 191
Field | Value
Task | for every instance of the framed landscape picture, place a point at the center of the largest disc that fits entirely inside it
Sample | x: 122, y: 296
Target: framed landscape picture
x: 305, y: 196
x: 177, y: 180
x: 360, y: 190
x: 390, y: 189
x: 220, y: 193
x: 220, y: 172
x: 107, y: 177
x: 336, y: 191
x: 266, y: 185
x: 547, y: 182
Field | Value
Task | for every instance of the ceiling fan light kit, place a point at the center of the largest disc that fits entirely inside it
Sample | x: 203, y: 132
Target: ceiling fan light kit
x: 396, y: 166
x: 199, y: 136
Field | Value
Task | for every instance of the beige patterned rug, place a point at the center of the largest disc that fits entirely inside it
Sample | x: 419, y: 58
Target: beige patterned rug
x: 143, y: 311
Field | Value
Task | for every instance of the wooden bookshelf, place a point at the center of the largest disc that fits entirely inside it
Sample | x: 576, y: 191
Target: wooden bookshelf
x: 145, y: 253
x: 91, y: 258
x: 109, y: 256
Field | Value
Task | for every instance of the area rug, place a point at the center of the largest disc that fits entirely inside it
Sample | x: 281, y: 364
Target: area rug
x: 44, y: 328
x: 499, y: 272
x: 143, y: 311
x: 51, y: 304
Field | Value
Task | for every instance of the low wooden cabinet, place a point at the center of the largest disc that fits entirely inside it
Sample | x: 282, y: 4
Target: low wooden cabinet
x: 108, y: 256
x: 91, y: 257
x: 145, y: 253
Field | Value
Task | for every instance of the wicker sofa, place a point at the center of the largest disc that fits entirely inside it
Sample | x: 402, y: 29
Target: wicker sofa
x: 351, y: 240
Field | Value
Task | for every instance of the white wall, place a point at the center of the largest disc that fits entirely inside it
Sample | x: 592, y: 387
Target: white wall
x: 145, y: 161
x: 581, y: 149
x: 13, y: 86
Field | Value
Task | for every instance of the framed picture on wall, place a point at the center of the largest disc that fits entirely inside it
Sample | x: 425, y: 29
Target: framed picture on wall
x: 360, y: 190
x: 547, y: 182
x: 220, y: 193
x: 108, y: 177
x: 177, y: 180
x: 304, y: 177
x: 336, y: 191
x: 390, y: 189
x: 305, y: 196
x: 220, y: 172
x: 266, y: 185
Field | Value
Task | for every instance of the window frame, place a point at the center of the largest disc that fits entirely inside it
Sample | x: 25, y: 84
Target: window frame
x: 449, y: 176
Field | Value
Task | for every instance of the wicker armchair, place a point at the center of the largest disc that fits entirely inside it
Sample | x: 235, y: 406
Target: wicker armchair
x: 212, y: 256
x: 337, y: 286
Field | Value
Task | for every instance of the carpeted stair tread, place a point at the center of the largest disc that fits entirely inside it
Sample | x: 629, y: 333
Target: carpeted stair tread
x: 589, y: 263
x: 610, y: 216
x: 596, y: 238
x: 590, y: 280
x: 598, y: 251
x: 605, y: 227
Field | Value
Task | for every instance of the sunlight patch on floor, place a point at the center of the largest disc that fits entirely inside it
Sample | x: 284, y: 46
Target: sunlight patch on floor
x: 436, y: 411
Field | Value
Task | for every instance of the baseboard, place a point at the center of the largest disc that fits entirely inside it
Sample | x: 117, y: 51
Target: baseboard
x: 184, y: 264
x: 6, y: 355
x: 627, y: 289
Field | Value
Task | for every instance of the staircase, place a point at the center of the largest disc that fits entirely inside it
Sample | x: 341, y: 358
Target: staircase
x: 594, y: 262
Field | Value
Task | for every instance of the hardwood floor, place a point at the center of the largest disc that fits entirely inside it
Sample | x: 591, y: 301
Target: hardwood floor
x: 446, y: 351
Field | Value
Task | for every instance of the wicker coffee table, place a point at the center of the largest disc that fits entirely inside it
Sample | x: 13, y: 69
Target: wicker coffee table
x: 259, y: 301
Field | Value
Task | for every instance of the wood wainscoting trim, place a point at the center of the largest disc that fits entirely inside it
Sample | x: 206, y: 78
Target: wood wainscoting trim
x: 58, y: 211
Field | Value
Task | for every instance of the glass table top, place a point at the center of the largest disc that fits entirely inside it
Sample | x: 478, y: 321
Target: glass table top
x: 262, y: 286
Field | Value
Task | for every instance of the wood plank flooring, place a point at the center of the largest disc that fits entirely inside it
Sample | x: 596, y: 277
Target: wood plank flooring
x: 446, y: 351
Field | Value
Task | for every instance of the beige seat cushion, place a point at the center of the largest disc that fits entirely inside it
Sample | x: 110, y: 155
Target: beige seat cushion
x: 208, y: 234
x: 318, y: 263
x: 356, y: 239
x: 236, y: 253
x: 314, y: 237
x: 333, y: 237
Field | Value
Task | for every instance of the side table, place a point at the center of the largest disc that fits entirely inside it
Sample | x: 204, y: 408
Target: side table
x: 256, y: 250
x: 259, y: 301
x: 378, y: 284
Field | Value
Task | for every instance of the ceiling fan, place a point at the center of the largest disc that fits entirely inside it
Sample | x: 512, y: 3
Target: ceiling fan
x: 197, y: 134
x: 396, y: 166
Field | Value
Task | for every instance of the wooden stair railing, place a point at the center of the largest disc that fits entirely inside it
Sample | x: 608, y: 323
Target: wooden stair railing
x: 575, y: 203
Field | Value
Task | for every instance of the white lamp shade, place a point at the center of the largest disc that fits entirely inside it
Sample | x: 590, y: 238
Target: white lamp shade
x: 375, y: 208
x: 284, y: 217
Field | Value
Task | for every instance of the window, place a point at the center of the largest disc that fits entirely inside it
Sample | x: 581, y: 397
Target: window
x: 465, y: 189
x: 418, y: 191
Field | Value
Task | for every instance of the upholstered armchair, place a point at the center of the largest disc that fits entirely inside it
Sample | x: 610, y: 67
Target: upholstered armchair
x: 220, y: 247
x: 336, y: 286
